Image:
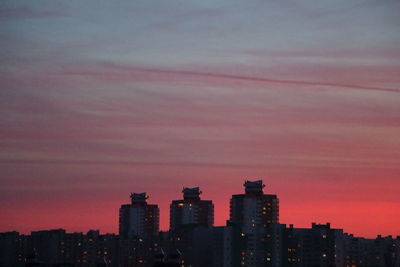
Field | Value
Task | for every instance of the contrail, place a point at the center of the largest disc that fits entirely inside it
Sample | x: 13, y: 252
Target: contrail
x: 245, y: 78
x: 258, y: 79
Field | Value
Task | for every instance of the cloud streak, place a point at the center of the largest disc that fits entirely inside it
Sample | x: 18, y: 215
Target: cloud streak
x: 128, y: 70
x: 153, y: 95
x: 26, y: 12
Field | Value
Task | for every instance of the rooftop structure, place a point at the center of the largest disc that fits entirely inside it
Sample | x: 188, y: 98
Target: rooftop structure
x: 139, y: 197
x: 191, y: 193
x: 254, y: 186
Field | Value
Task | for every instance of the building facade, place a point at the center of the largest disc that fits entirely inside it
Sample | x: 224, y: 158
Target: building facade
x: 191, y: 210
x: 251, y: 215
x: 138, y: 219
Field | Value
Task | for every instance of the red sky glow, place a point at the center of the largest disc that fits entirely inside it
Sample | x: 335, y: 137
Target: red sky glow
x: 101, y: 100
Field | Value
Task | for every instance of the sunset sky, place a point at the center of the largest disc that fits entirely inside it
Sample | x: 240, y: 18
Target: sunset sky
x: 101, y: 98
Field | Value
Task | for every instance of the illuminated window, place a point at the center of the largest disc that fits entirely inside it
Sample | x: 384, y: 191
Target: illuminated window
x: 180, y: 204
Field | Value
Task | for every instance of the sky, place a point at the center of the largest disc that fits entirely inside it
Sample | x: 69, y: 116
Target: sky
x: 101, y: 98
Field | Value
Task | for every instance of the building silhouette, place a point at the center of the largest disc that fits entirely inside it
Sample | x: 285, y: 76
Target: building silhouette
x: 253, y: 236
x: 319, y: 246
x: 138, y: 219
x: 191, y: 210
x: 254, y: 208
x: 191, y: 220
x: 251, y: 214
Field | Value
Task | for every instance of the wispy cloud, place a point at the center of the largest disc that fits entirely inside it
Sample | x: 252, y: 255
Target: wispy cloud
x: 26, y: 12
x: 147, y: 95
x: 131, y: 71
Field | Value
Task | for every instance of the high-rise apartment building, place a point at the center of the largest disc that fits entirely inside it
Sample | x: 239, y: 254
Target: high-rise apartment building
x: 190, y: 220
x: 138, y: 219
x: 191, y: 210
x: 254, y: 208
x: 321, y: 246
x: 252, y: 215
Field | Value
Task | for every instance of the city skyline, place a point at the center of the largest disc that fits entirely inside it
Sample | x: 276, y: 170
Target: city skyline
x: 101, y: 98
x: 253, y: 237
x: 189, y: 194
